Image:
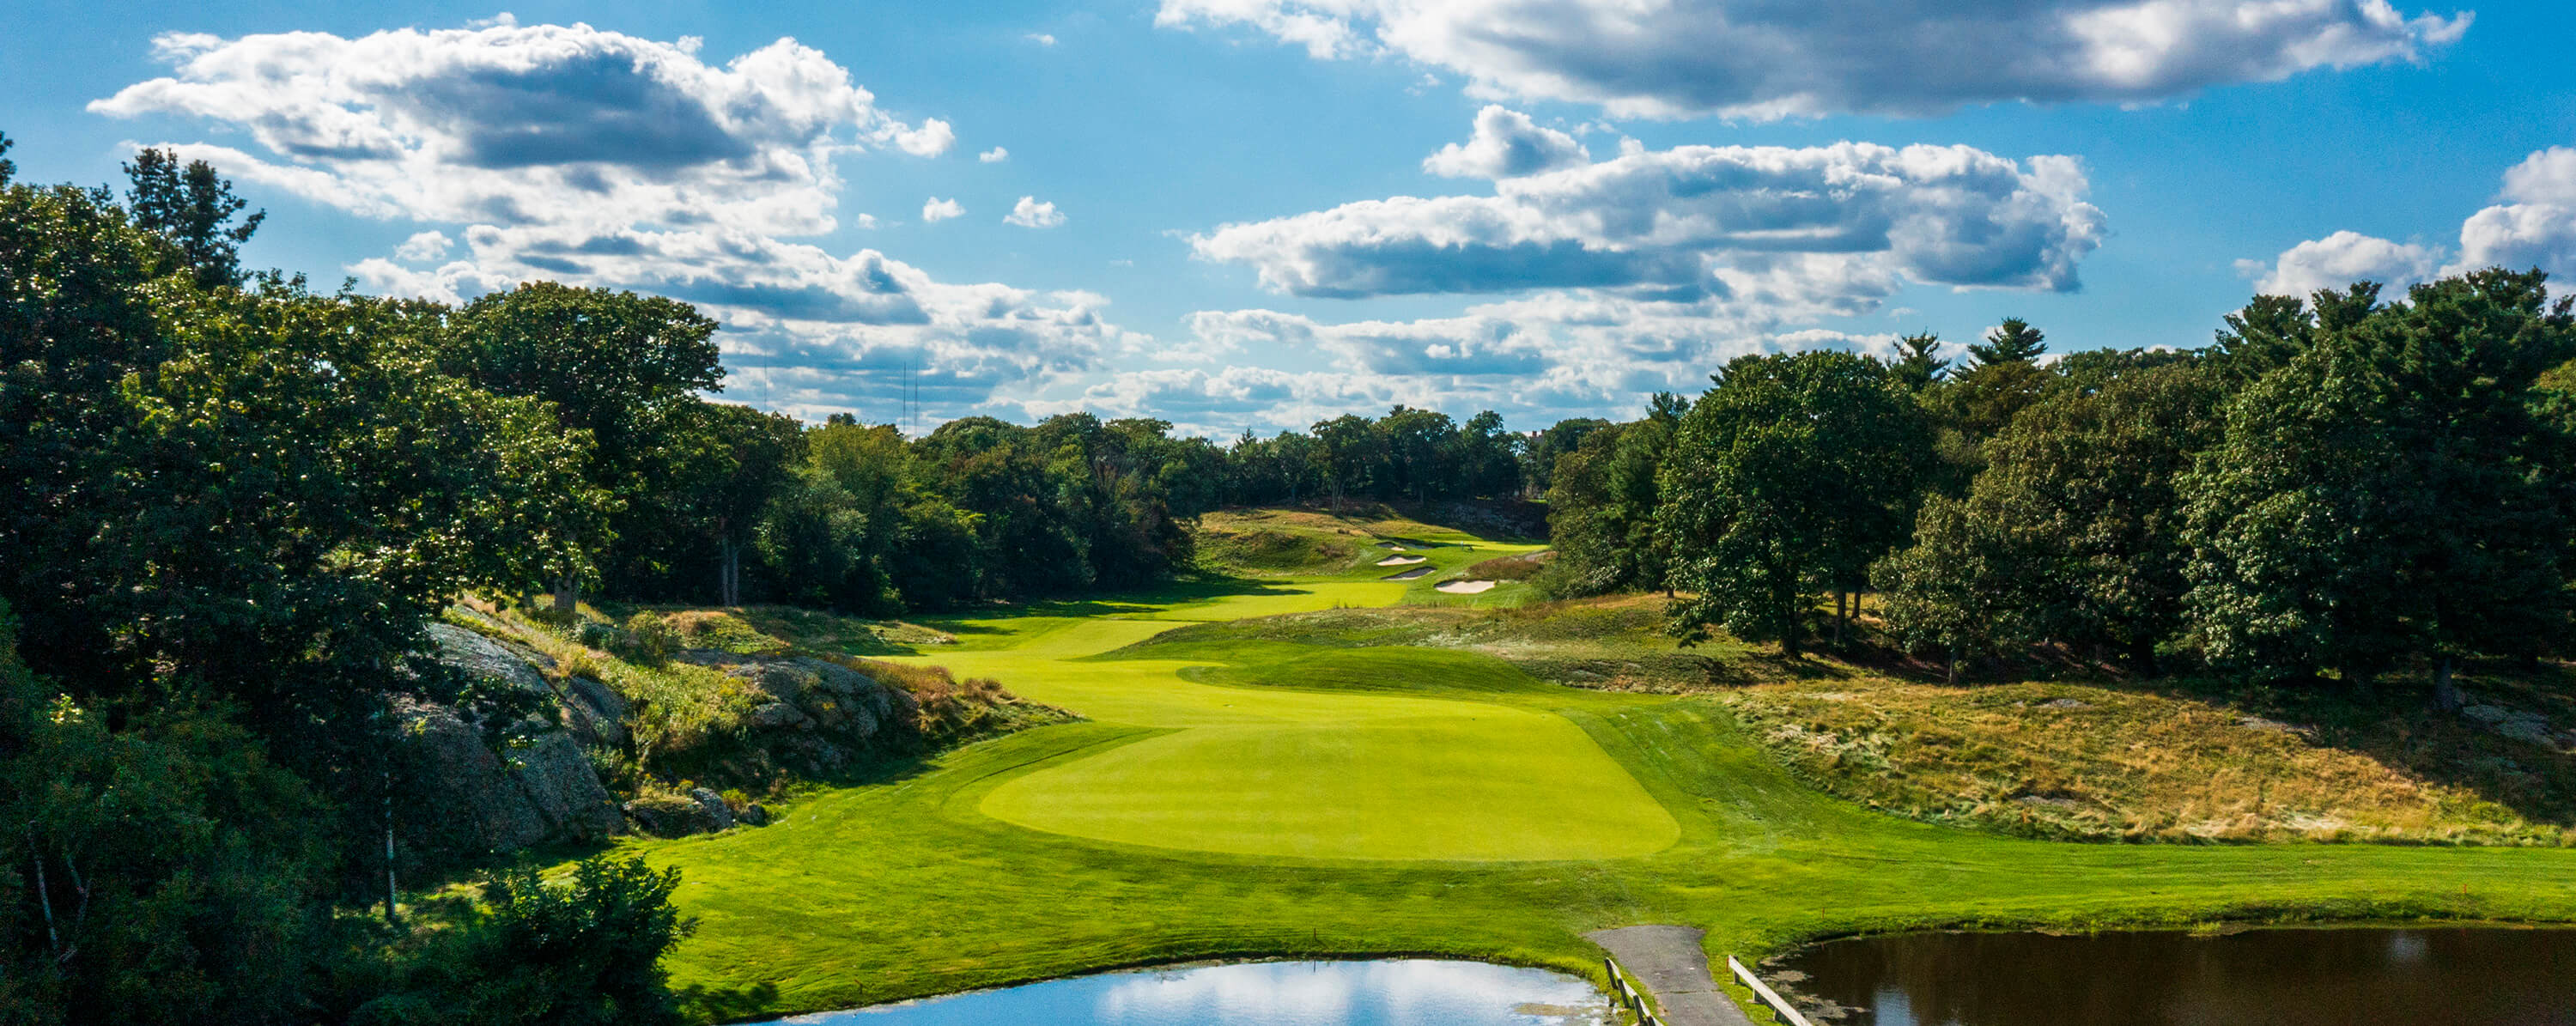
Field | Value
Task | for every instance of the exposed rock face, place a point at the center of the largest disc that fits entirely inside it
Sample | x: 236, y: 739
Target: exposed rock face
x: 819, y: 715
x: 594, y: 714
x: 468, y: 800
x: 669, y: 815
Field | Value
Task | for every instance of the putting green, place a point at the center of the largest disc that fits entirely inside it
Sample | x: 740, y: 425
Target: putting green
x: 1470, y: 782
x: 1289, y: 771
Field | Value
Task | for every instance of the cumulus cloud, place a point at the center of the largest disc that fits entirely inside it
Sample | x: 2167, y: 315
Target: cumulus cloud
x: 2534, y: 225
x: 2341, y: 259
x: 1697, y: 221
x: 572, y: 154
x: 995, y: 155
x: 1764, y: 58
x: 555, y: 123
x: 1029, y: 213
x: 936, y: 210
x: 930, y: 140
x: 424, y: 246
x: 1040, y: 38
x: 1506, y: 144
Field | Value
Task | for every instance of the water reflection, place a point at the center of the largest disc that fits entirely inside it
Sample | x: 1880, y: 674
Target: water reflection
x: 1409, y: 992
x: 2423, y: 977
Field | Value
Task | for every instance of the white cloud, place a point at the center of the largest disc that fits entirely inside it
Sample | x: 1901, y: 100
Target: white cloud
x: 1765, y: 58
x: 1697, y: 221
x: 930, y: 140
x: 1040, y: 38
x: 546, y: 123
x: 936, y: 210
x: 1506, y: 144
x: 2339, y: 260
x: 1029, y: 213
x: 1536, y: 360
x: 2534, y: 226
x: 423, y: 247
x: 995, y: 155
x: 593, y: 158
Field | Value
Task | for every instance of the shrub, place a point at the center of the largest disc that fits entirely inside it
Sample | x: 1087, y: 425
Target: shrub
x: 653, y: 638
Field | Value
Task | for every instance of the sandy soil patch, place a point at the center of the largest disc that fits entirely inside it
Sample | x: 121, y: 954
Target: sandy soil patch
x: 1401, y: 560
x: 1467, y: 587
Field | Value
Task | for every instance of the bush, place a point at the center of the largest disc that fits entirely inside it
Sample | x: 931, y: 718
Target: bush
x: 653, y: 638
x: 587, y: 952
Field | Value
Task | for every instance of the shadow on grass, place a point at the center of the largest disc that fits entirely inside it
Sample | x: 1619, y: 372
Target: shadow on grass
x: 727, y: 1004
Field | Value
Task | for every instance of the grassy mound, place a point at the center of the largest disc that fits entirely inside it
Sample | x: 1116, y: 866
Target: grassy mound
x: 2102, y: 762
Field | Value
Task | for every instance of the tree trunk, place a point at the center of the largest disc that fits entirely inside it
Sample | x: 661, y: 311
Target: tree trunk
x: 728, y: 571
x: 567, y: 595
x: 2142, y: 656
x: 391, y: 918
x: 2446, y: 693
x: 44, y: 897
x: 1842, y: 616
x: 1950, y: 673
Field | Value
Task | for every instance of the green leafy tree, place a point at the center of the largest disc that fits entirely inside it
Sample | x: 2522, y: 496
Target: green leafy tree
x: 2074, y: 527
x: 192, y: 209
x: 159, y: 872
x: 1954, y: 590
x: 2392, y: 489
x: 621, y: 369
x: 1602, y: 506
x: 1538, y: 458
x: 1788, y: 479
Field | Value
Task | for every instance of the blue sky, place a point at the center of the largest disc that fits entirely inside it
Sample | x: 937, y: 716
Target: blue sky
x: 1254, y: 213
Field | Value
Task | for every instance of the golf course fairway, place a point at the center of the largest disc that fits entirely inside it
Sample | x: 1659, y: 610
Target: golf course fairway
x: 1302, y: 796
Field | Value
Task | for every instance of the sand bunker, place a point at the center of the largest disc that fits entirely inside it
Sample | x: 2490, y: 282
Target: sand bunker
x: 1466, y: 587
x: 1408, y: 575
x: 1401, y: 560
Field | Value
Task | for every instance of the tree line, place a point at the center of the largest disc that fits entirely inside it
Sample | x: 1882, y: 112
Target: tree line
x: 230, y: 503
x: 2335, y: 488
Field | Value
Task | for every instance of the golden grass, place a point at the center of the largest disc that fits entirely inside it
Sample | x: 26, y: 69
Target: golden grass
x: 2103, y: 763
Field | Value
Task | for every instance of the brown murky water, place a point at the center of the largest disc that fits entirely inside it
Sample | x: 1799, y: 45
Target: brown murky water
x: 2441, y: 976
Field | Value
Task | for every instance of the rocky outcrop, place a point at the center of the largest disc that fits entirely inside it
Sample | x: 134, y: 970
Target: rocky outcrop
x: 815, y: 718
x: 467, y: 799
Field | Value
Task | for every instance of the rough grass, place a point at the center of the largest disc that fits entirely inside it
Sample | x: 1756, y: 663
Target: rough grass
x: 2101, y: 762
x: 688, y: 721
x: 911, y: 887
x: 1508, y: 568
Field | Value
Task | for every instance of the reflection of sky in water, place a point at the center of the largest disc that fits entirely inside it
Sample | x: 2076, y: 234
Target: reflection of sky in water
x: 2405, y: 947
x: 1382, y: 993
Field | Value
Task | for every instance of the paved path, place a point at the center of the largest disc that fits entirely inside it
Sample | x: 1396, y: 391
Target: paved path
x: 1668, y: 962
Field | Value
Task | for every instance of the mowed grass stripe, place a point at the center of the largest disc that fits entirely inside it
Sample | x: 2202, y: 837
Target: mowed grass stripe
x: 1487, y: 783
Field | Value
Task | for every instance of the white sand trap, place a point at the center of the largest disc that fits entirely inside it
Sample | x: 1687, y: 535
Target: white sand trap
x: 1466, y: 587
x: 1401, y: 560
x: 1408, y: 575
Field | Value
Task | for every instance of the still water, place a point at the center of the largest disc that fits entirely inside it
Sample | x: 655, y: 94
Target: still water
x: 1407, y: 992
x: 2336, y: 977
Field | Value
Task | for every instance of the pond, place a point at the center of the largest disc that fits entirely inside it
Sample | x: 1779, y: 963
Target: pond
x: 1401, y: 992
x: 2435, y: 976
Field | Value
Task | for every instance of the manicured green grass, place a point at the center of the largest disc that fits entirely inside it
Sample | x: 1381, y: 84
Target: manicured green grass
x: 1426, y: 802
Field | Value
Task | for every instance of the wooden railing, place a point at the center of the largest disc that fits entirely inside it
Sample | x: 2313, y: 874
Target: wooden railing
x: 1626, y: 993
x: 1766, y: 993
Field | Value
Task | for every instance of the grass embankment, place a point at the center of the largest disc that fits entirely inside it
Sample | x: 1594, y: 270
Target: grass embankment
x: 927, y: 884
x: 2164, y: 761
x: 690, y: 722
x: 1366, y: 543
